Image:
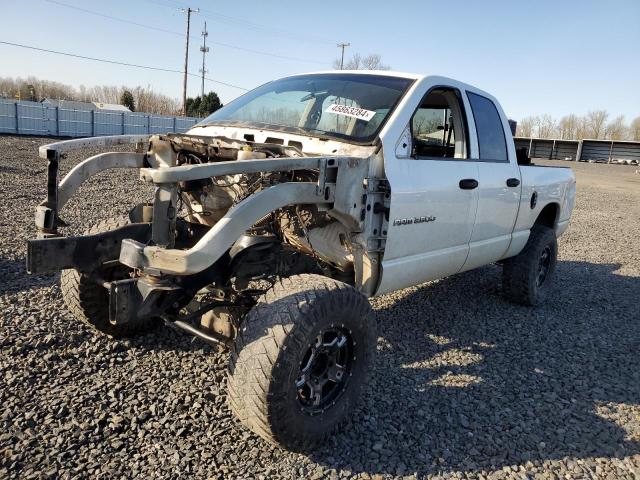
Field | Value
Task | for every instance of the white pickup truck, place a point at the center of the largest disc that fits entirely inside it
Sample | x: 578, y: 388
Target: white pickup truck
x: 277, y: 216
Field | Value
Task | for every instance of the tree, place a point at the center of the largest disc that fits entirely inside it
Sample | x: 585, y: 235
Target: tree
x: 573, y: 127
x: 32, y: 93
x: 546, y: 126
x: 126, y: 99
x: 203, y: 106
x: 210, y: 103
x: 372, y: 61
x: 634, y: 129
x: 147, y: 100
x: 582, y: 130
x: 596, y: 121
x: 568, y: 126
x: 28, y: 92
x: 525, y: 127
x: 193, y: 106
x: 616, y: 129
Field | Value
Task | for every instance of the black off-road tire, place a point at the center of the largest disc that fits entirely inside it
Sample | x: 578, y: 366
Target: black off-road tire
x: 521, y: 275
x: 275, y: 338
x: 89, y: 302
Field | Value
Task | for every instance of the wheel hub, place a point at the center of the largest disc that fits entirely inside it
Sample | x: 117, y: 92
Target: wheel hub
x: 544, y: 264
x: 325, y: 370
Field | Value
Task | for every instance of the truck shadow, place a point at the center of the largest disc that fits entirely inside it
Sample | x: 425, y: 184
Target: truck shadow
x: 465, y: 381
x: 14, y: 278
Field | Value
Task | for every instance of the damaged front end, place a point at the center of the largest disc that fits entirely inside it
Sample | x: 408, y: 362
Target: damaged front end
x: 227, y: 218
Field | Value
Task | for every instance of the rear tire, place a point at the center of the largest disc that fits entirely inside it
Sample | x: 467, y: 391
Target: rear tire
x: 88, y: 301
x: 527, y: 277
x: 300, y: 360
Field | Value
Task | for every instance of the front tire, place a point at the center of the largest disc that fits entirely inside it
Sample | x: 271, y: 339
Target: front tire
x: 527, y: 277
x: 89, y: 302
x: 300, y: 360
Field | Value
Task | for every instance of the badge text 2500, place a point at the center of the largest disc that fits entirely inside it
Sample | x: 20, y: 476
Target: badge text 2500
x: 411, y: 221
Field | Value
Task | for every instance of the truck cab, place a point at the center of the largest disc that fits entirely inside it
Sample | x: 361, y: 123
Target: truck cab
x: 455, y: 197
x: 459, y: 199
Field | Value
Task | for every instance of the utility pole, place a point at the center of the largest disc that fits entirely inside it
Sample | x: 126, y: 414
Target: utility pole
x: 342, y: 46
x: 186, y: 59
x: 204, y: 49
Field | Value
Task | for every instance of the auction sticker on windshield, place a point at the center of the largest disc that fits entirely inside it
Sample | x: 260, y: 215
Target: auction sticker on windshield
x: 354, y: 112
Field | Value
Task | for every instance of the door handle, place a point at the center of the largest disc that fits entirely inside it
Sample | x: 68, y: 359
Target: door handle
x: 513, y: 182
x: 468, y: 183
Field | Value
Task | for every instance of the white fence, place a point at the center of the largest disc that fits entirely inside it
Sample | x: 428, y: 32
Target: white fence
x: 33, y: 118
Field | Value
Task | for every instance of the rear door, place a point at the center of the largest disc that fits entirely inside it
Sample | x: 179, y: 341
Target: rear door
x: 499, y: 182
x: 433, y: 193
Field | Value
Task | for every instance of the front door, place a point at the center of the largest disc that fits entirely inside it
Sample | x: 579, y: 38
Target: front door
x: 434, y: 195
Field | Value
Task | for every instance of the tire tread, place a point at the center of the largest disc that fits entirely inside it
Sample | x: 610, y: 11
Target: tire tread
x: 260, y: 345
x: 518, y: 284
x: 88, y: 302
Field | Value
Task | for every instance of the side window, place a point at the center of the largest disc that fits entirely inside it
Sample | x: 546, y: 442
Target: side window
x: 438, y: 126
x: 491, y: 141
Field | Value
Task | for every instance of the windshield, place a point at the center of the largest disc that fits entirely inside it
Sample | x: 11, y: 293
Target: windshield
x: 349, y: 106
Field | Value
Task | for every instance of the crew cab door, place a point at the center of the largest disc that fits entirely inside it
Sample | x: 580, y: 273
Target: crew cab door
x: 434, y: 191
x: 499, y: 181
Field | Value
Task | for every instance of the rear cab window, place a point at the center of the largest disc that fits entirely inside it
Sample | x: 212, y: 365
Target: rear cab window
x: 491, y: 140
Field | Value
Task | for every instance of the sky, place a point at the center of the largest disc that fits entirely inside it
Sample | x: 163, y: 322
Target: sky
x: 536, y: 57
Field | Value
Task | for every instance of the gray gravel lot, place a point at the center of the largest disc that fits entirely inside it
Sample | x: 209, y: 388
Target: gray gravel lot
x: 466, y: 385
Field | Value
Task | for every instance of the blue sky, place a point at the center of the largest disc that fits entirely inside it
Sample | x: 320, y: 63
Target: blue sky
x: 553, y: 57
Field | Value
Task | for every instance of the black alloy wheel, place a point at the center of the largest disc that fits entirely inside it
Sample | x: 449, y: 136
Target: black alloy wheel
x: 325, y: 370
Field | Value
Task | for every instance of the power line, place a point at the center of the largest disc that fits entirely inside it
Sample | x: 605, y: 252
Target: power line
x: 222, y: 18
x: 173, y: 32
x: 218, y: 17
x: 116, y: 62
x: 111, y: 17
x: 284, y: 57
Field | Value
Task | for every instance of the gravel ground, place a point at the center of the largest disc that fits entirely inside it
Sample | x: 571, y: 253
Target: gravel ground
x: 466, y: 385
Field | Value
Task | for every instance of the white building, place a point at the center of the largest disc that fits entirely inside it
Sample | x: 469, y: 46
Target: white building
x: 111, y: 106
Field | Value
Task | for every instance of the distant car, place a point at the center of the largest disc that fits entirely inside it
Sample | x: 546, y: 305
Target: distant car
x: 277, y: 216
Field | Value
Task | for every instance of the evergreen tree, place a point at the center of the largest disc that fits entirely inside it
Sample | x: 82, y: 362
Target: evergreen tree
x: 203, y: 106
x: 127, y: 100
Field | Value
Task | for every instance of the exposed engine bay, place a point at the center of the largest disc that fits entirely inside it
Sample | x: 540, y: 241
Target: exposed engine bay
x: 293, y: 238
